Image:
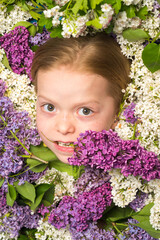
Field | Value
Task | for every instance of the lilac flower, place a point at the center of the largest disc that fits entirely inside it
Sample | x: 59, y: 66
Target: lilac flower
x: 80, y: 211
x: 135, y: 233
x: 10, y: 148
x: 12, y: 219
x: 90, y: 179
x: 39, y: 38
x: 129, y: 113
x: 19, y: 54
x: 106, y: 150
x: 2, y: 88
x: 139, y: 202
x: 92, y: 233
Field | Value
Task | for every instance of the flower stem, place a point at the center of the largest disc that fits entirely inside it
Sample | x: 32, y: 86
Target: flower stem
x: 31, y: 155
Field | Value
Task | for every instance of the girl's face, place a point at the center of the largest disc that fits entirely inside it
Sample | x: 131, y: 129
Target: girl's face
x: 69, y: 103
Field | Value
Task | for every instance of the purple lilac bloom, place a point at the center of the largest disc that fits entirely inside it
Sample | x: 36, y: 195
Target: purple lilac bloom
x: 19, y: 54
x: 135, y: 233
x: 106, y: 150
x: 10, y: 149
x: 2, y: 88
x: 156, y: 5
x: 12, y: 219
x: 92, y: 233
x: 139, y: 202
x: 90, y: 179
x: 79, y: 212
x: 39, y: 38
x: 129, y: 113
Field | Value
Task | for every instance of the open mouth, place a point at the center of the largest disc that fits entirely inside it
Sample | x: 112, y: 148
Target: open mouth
x: 62, y: 144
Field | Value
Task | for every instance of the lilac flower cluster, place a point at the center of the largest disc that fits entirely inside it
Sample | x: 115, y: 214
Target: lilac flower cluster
x: 39, y: 38
x: 90, y: 179
x: 106, y: 150
x: 19, y: 54
x: 92, y: 233
x: 129, y: 113
x: 79, y: 212
x: 139, y: 202
x: 2, y: 88
x: 12, y: 219
x: 135, y: 232
x: 10, y: 148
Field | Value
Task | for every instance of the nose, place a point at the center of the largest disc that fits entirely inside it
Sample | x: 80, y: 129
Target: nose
x: 65, y: 124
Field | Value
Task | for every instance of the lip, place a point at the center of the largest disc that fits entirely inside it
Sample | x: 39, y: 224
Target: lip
x: 63, y: 148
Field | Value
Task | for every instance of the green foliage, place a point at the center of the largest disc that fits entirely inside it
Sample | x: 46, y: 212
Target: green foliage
x: 142, y: 13
x: 117, y: 6
x: 1, y: 181
x: 151, y: 57
x: 5, y: 62
x: 11, y: 195
x: 77, y: 6
x: 56, y: 32
x: 40, y: 191
x: 94, y: 23
x: 158, y: 1
x: 31, y: 27
x: 131, y: 11
x: 117, y: 213
x: 94, y: 3
x: 133, y: 35
x: 35, y: 165
x: 143, y: 218
x: 27, y: 190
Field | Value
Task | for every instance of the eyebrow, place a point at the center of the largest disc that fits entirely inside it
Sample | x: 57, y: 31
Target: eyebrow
x: 81, y: 103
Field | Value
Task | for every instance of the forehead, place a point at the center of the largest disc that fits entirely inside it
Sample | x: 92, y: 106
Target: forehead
x: 66, y: 80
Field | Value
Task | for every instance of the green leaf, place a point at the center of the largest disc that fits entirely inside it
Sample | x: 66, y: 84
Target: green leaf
x: 1, y: 181
x: 118, y: 213
x: 10, y: 8
x: 133, y: 35
x: 158, y: 1
x: 34, y: 48
x: 142, y: 13
x: 94, y: 23
x: 22, y: 23
x: 143, y: 218
x: 32, y: 29
x: 151, y: 57
x: 5, y: 62
x: 130, y: 10
x: 85, y: 5
x: 49, y: 196
x: 117, y: 6
x: 35, y: 15
x: 27, y: 190
x: 43, y: 152
x: 93, y: 3
x: 35, y: 165
x: 56, y: 32
x: 77, y: 6
x: 110, y: 1
x: 11, y: 195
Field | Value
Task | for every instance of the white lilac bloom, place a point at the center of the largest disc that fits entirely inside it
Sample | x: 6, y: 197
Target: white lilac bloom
x: 155, y: 213
x: 74, y: 26
x: 63, y: 182
x: 54, y: 14
x: 129, y: 2
x: 123, y: 189
x: 9, y: 19
x: 46, y: 231
x: 61, y: 2
x: 106, y: 17
x: 19, y: 90
x: 124, y: 130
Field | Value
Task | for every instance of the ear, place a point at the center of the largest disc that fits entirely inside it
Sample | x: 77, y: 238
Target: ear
x: 114, y: 124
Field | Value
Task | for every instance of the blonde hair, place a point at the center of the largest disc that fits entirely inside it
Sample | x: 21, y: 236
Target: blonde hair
x: 99, y: 54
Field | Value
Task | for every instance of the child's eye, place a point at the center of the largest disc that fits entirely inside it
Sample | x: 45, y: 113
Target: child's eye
x: 85, y: 111
x: 49, y: 107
